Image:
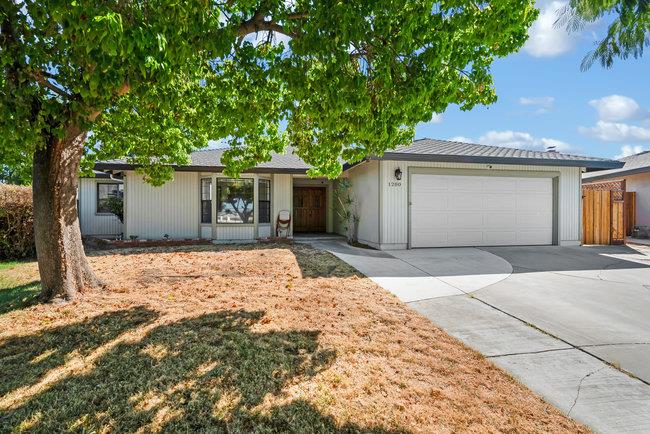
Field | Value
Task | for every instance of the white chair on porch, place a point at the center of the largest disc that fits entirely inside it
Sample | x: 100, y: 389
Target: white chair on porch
x: 283, y: 223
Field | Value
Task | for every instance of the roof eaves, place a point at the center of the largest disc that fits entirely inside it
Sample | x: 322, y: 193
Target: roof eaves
x: 194, y: 168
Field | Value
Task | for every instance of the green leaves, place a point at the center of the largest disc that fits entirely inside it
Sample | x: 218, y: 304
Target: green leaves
x: 156, y: 80
x: 627, y: 35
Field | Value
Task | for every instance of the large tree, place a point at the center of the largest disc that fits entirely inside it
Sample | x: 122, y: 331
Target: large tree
x: 151, y: 81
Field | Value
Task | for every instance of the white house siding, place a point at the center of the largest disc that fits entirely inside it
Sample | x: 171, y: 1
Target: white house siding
x: 235, y: 232
x: 641, y: 185
x: 281, y: 197
x: 394, y: 199
x: 365, y: 185
x: 172, y: 209
x: 92, y: 223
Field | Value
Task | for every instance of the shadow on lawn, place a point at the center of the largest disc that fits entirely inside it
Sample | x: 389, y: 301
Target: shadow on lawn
x: 197, y: 374
x: 19, y: 296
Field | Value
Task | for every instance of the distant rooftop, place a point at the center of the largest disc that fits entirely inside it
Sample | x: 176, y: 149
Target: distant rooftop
x: 638, y: 163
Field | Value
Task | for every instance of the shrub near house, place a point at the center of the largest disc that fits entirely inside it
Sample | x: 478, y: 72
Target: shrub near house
x: 16, y: 222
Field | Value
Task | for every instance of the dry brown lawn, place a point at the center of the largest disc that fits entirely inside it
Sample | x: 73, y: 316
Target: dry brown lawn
x: 268, y: 338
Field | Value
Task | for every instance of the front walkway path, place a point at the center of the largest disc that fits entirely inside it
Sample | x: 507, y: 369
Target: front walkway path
x: 447, y: 286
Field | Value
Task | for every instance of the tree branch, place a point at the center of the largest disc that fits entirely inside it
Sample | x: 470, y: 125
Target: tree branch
x: 40, y: 79
x: 298, y: 16
x: 257, y: 23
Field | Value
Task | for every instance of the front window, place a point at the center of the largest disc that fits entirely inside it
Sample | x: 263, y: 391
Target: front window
x: 206, y: 200
x: 234, y: 200
x: 107, y: 193
x: 264, y: 201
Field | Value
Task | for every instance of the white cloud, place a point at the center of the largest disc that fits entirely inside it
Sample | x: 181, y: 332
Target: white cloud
x: 436, y: 118
x: 544, y: 38
x: 544, y: 104
x: 627, y: 150
x: 517, y: 139
x: 616, y: 132
x: 462, y: 139
x: 616, y: 108
x: 541, y: 101
x: 523, y: 140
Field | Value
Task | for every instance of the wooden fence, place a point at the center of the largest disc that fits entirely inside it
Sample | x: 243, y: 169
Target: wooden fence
x: 630, y: 212
x: 607, y: 213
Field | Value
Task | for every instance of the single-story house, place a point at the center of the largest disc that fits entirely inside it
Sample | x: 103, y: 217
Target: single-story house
x: 431, y: 193
x: 636, y: 173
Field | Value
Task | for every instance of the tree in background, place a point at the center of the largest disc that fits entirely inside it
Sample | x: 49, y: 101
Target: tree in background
x: 154, y: 80
x: 626, y: 36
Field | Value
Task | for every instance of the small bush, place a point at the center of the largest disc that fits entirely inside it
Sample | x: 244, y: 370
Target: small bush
x: 16, y: 222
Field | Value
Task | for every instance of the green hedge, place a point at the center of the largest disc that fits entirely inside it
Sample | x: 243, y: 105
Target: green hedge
x: 16, y: 222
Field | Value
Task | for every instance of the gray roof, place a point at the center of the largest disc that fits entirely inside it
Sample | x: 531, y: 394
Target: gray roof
x: 638, y: 163
x: 420, y: 150
x: 445, y: 150
x: 209, y: 160
x: 288, y: 160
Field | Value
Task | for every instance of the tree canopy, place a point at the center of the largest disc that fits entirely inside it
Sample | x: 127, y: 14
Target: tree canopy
x: 627, y: 35
x: 155, y: 80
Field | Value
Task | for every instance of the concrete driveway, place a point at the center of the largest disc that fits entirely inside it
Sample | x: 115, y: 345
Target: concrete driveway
x: 572, y: 323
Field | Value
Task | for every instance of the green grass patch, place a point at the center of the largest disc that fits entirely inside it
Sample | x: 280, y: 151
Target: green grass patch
x: 17, y: 290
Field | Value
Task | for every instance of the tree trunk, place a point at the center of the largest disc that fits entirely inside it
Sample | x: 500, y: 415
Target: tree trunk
x: 62, y: 262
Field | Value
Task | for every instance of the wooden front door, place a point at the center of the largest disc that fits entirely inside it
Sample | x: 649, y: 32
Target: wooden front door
x: 309, y: 209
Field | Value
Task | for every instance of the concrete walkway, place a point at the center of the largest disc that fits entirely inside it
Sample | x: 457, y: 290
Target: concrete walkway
x: 561, y: 320
x: 412, y: 277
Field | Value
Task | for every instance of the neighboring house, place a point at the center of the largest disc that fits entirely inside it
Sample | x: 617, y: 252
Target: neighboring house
x: 428, y: 194
x: 636, y: 173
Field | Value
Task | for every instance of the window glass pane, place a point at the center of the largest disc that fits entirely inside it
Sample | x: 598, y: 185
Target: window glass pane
x: 264, y: 193
x: 106, y: 191
x: 206, y: 200
x: 234, y: 200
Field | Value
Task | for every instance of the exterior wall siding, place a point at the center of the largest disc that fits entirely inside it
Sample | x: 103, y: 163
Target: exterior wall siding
x: 365, y: 185
x: 90, y: 222
x: 235, y: 232
x: 172, y: 209
x: 281, y: 198
x: 394, y: 199
x: 641, y: 185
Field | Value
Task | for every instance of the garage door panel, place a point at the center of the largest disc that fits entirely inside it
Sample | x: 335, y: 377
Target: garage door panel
x: 533, y: 203
x: 448, y: 210
x: 534, y: 185
x: 494, y: 201
x: 470, y: 184
x: 426, y: 220
x: 440, y: 184
x: 499, y: 220
x: 503, y: 238
x: 464, y: 220
x: 430, y: 238
x: 499, y: 185
x: 539, y: 237
x: 464, y: 238
x: 534, y: 220
x: 433, y: 200
x: 464, y: 201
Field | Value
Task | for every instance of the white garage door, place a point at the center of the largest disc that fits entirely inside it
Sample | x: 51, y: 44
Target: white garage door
x: 448, y: 210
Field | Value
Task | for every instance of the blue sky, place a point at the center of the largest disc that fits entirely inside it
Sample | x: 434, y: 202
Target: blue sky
x: 544, y: 98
